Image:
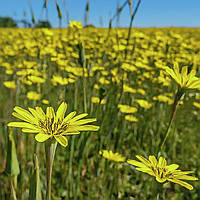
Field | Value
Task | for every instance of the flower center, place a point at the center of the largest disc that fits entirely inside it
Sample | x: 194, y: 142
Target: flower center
x: 51, y: 127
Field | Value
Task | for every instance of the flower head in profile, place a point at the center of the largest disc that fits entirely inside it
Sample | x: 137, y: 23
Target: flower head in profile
x: 162, y: 171
x: 112, y: 156
x: 51, y: 124
x: 183, y: 78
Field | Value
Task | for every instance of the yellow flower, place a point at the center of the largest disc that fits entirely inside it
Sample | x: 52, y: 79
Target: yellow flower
x: 119, y: 47
x: 112, y: 156
x: 97, y: 100
x: 10, y: 84
x: 143, y: 103
x: 36, y: 79
x: 183, y: 78
x: 45, y: 101
x: 51, y: 124
x: 141, y: 91
x: 59, y: 80
x: 127, y: 109
x: 163, y: 98
x: 103, y: 81
x: 131, y: 118
x: 127, y: 88
x: 162, y: 171
x: 128, y: 67
x: 33, y: 95
x: 196, y: 104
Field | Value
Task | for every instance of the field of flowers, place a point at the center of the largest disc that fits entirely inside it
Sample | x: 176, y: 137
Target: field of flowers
x: 132, y: 85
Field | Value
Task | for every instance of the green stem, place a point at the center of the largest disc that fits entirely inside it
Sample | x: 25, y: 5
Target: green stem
x: 178, y: 96
x: 50, y: 149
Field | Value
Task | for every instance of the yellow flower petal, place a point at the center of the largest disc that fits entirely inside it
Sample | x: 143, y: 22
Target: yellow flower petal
x: 83, y: 121
x: 88, y: 128
x: 186, y: 177
x: 78, y: 117
x: 172, y: 167
x: 61, y: 111
x: 162, y: 162
x: 184, y: 72
x: 69, y: 116
x: 17, y: 115
x: 62, y: 140
x: 24, y: 113
x: 50, y: 113
x: 144, y: 160
x: 27, y: 130
x: 22, y: 125
x: 161, y: 179
x: 182, y: 183
x: 136, y: 163
x: 40, y: 112
x: 40, y: 137
x: 35, y: 113
x: 146, y: 170
x: 153, y: 160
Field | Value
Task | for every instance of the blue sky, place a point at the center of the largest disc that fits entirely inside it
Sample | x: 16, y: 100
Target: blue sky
x: 151, y: 13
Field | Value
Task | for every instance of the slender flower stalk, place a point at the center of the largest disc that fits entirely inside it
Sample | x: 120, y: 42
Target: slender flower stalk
x: 178, y: 96
x: 50, y: 149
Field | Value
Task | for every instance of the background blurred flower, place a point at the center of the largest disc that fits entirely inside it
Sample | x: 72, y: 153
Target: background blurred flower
x: 112, y: 156
x: 33, y: 95
x: 10, y: 84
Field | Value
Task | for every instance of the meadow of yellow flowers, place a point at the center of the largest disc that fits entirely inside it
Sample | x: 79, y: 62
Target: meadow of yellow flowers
x: 134, y: 88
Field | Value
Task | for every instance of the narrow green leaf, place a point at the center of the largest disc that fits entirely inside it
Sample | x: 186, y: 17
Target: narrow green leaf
x: 12, y: 165
x: 35, y: 189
